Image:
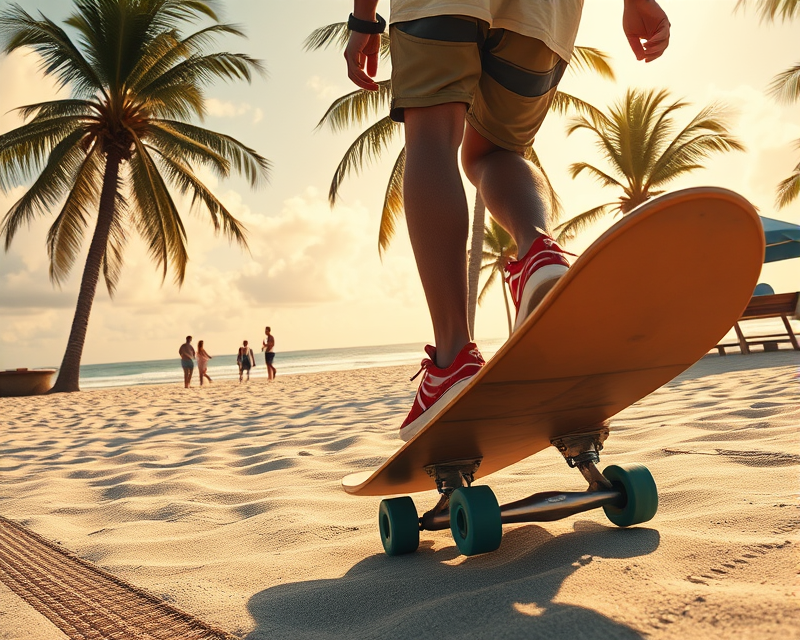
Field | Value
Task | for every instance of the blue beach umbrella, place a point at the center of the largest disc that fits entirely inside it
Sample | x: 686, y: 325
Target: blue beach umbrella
x: 783, y: 240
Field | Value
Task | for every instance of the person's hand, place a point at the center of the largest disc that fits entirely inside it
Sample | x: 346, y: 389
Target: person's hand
x: 647, y: 28
x: 362, y: 53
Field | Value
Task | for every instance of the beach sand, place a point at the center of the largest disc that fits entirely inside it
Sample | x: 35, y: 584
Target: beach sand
x: 225, y: 501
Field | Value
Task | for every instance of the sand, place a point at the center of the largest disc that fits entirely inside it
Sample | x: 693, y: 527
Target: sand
x: 225, y: 502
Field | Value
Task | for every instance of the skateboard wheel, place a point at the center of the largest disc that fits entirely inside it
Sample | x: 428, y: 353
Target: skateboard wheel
x: 475, y: 520
x: 399, y: 525
x: 641, y: 495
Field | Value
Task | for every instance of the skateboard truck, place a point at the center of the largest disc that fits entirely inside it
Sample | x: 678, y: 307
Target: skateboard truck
x: 449, y: 476
x: 582, y: 450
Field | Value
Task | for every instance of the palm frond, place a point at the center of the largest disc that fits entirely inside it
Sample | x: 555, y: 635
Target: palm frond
x: 203, y: 69
x: 606, y: 138
x: 785, y: 87
x: 564, y: 102
x: 115, y: 248
x: 691, y: 152
x: 60, y: 57
x: 181, y: 176
x: 173, y: 143
x: 573, y: 226
x: 576, y: 168
x: 24, y: 150
x: 594, y: 60
x: 168, y: 13
x: 243, y: 159
x: 392, y: 203
x: 167, y: 49
x: 177, y: 102
x: 789, y: 189
x: 337, y: 35
x: 59, y: 108
x: 356, y: 107
x: 493, y: 275
x: 659, y: 129
x: 65, y: 237
x: 156, y: 216
x: 55, y: 180
x: 771, y: 9
x: 366, y: 148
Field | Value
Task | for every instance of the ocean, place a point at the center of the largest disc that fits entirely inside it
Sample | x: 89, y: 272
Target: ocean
x: 224, y: 367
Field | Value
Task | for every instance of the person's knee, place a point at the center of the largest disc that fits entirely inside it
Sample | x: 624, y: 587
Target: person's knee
x: 441, y: 125
x: 474, y: 151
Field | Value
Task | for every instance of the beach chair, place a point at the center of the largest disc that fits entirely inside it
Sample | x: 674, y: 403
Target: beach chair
x: 780, y: 305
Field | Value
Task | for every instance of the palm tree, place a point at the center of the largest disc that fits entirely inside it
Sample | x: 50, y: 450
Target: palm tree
x: 498, y: 250
x: 785, y: 87
x: 360, y: 106
x: 637, y: 139
x: 123, y: 137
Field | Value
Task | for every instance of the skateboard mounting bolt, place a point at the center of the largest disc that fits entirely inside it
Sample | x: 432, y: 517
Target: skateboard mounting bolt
x: 453, y: 475
x: 582, y: 448
x: 586, y: 456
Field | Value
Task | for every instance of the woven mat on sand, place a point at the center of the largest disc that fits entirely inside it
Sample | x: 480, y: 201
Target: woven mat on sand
x: 84, y: 601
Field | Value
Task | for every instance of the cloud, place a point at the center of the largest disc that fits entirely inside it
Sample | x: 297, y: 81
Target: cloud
x: 308, y: 253
x: 323, y: 90
x: 227, y: 109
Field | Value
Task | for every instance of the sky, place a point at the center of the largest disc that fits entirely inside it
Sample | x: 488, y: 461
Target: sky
x: 314, y: 273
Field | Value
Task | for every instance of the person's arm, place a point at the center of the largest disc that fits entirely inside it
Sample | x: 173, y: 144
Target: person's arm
x: 363, y: 48
x: 646, y: 27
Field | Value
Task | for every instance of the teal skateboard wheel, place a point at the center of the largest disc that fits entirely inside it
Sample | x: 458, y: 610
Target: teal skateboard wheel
x: 636, y: 484
x: 475, y: 520
x: 399, y: 525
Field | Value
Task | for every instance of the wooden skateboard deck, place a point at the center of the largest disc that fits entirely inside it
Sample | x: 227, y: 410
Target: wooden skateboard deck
x: 642, y: 304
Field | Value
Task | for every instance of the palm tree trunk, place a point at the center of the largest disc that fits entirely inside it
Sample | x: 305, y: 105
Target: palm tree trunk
x: 69, y: 372
x: 508, y: 309
x: 475, y: 255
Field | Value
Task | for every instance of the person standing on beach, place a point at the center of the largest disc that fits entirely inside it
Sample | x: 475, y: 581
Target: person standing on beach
x: 268, y: 347
x: 493, y: 66
x: 202, y: 362
x: 245, y: 360
x: 186, y: 352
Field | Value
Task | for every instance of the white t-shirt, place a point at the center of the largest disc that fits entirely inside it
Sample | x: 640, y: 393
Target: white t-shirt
x: 554, y: 22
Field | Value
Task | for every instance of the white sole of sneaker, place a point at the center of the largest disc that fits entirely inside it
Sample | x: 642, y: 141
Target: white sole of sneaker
x: 536, y: 288
x: 410, y: 430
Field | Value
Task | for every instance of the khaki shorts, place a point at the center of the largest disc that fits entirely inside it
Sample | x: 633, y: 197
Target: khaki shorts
x: 508, y: 80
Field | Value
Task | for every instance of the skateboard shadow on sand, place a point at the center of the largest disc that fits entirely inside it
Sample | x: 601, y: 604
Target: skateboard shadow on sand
x: 505, y: 594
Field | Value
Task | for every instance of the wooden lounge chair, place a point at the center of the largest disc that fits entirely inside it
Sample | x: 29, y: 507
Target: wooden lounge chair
x: 780, y: 305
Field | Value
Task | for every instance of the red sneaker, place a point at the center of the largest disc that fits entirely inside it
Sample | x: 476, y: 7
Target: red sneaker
x: 439, y: 386
x: 534, y: 275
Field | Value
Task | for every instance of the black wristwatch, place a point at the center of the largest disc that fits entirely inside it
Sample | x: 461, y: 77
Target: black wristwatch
x: 365, y: 26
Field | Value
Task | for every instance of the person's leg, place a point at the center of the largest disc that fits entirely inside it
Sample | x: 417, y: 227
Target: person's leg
x: 517, y: 87
x: 185, y: 378
x: 438, y: 220
x: 513, y: 188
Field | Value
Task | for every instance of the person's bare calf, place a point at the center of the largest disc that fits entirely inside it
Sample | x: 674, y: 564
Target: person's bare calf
x: 438, y: 220
x: 513, y: 189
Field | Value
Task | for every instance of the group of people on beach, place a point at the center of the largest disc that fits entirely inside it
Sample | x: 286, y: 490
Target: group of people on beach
x: 245, y: 359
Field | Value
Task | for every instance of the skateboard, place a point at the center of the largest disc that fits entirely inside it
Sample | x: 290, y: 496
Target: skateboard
x: 642, y: 304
